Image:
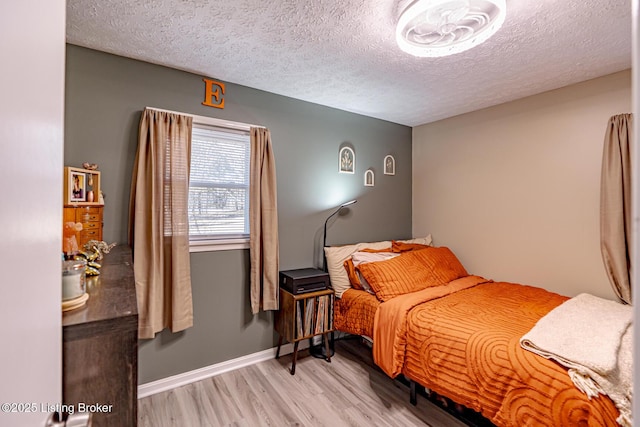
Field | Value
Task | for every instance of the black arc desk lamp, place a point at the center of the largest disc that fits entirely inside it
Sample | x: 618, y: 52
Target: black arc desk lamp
x: 324, y: 234
x: 319, y: 351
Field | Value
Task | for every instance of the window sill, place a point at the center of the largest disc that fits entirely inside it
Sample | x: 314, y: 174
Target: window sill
x: 218, y: 245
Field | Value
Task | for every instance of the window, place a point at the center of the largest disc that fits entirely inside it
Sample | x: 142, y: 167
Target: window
x: 219, y: 188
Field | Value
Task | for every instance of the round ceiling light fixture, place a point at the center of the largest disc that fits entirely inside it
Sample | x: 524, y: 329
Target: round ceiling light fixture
x: 434, y: 28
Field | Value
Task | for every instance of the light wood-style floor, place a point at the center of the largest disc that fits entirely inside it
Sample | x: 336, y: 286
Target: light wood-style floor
x: 349, y: 391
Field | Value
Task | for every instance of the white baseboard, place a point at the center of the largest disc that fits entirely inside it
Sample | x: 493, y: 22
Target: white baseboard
x: 158, y: 386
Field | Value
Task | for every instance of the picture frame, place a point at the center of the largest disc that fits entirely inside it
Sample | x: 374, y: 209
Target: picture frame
x: 369, y: 178
x: 81, y: 186
x: 389, y: 165
x: 77, y: 186
x: 347, y: 160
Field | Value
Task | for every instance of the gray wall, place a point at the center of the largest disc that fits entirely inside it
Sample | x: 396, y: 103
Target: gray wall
x: 105, y: 95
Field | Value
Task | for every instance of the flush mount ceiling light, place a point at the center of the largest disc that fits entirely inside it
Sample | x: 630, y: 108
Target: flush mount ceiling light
x: 433, y: 28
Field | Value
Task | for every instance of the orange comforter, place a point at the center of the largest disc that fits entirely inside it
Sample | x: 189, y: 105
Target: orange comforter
x: 462, y: 340
x: 354, y: 312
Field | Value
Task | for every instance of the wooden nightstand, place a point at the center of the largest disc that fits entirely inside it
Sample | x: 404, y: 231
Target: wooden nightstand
x: 304, y: 316
x: 91, y: 219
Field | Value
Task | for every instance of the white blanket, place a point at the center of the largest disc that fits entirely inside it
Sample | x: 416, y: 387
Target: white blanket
x: 593, y: 338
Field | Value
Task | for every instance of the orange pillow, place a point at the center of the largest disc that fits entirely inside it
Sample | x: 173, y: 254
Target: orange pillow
x: 397, y: 246
x: 353, y: 275
x: 412, y: 271
x: 374, y: 251
x: 443, y: 263
x: 396, y: 276
x: 350, y: 267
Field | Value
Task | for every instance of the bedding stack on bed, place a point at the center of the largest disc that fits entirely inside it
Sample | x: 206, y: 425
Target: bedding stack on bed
x: 593, y: 338
x: 354, y: 311
x: 458, y: 334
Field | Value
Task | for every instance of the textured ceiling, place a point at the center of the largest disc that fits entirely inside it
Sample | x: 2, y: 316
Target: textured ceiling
x: 343, y: 54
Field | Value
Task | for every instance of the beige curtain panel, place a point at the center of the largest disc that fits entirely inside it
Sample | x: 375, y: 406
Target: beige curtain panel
x: 263, y: 223
x: 615, y: 204
x: 159, y: 227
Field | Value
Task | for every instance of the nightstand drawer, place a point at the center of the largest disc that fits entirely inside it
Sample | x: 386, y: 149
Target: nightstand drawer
x: 88, y: 213
x: 88, y: 217
x: 90, y: 235
x: 90, y: 225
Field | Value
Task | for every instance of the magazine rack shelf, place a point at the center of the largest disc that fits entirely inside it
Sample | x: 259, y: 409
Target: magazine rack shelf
x: 304, y: 316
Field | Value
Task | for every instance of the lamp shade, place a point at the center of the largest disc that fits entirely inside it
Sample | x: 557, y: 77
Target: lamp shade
x: 434, y: 28
x: 350, y: 202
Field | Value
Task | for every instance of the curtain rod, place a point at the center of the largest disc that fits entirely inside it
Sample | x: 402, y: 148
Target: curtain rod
x: 211, y: 120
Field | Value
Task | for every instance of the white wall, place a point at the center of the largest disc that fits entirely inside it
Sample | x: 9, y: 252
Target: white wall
x: 31, y: 146
x: 514, y: 190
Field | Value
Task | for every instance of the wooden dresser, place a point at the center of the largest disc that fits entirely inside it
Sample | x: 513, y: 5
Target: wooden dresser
x: 90, y: 216
x: 100, y: 344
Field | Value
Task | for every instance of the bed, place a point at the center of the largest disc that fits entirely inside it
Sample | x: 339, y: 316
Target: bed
x: 457, y: 334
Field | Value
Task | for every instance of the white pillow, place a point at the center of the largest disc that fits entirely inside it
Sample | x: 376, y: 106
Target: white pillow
x: 337, y: 255
x: 365, y: 285
x: 365, y: 257
x: 420, y: 240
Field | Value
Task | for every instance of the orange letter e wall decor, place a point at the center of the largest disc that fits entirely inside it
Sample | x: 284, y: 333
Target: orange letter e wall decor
x: 213, y: 90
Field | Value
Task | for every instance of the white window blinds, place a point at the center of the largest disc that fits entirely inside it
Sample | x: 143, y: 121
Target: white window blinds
x: 219, y: 184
